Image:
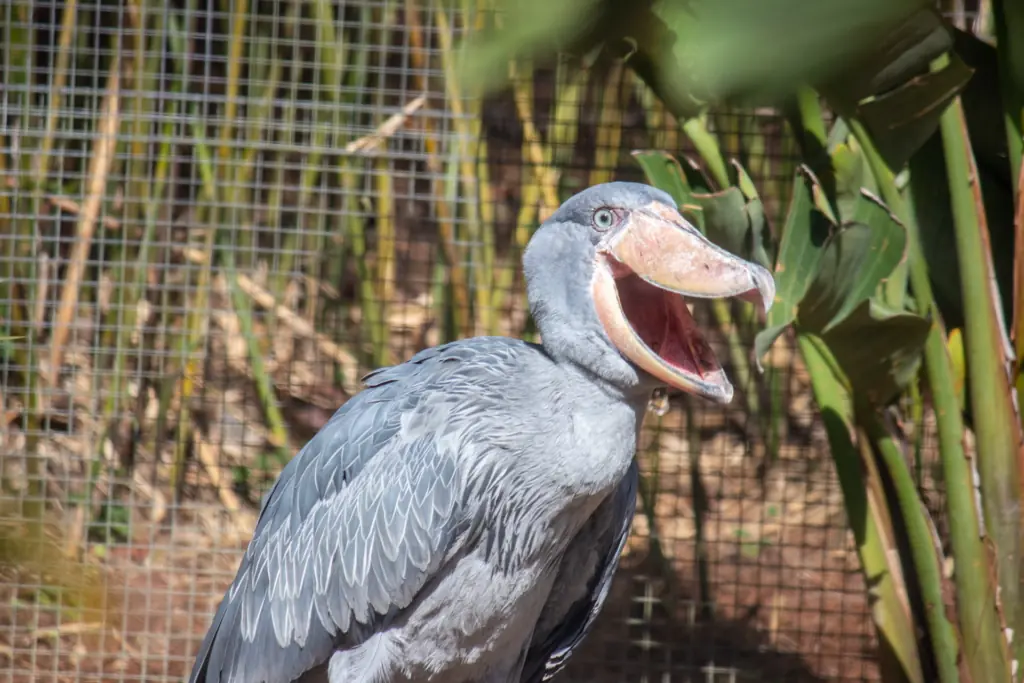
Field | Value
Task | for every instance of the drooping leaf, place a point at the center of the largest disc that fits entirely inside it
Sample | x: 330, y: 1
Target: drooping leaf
x: 761, y: 48
x: 983, y: 104
x: 879, y: 349
x: 852, y: 175
x: 901, y: 120
x: 761, y: 244
x: 804, y: 238
x: 856, y: 260
x: 692, y: 55
x: 869, y: 514
x: 899, y: 51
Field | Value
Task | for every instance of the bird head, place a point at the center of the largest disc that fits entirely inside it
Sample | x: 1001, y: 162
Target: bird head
x: 608, y: 278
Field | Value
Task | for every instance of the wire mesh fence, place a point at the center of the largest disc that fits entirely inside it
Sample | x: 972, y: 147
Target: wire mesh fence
x: 214, y: 217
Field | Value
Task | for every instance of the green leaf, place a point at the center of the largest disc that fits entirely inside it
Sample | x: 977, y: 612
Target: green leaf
x: 664, y: 172
x: 744, y: 182
x: 856, y: 260
x: 869, y: 515
x: 733, y: 219
x: 735, y: 224
x: 691, y: 56
x: 760, y: 48
x: 804, y: 238
x: 852, y: 175
x: 901, y: 120
x: 879, y: 349
x: 900, y: 50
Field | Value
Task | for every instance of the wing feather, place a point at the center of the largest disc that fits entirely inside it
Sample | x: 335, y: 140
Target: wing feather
x: 562, y: 629
x: 353, y: 528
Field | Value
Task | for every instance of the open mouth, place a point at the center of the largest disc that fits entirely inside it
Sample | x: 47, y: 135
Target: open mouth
x: 663, y: 322
x: 642, y: 279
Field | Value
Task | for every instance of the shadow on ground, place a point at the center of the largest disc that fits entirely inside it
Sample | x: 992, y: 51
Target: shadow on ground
x: 644, y: 635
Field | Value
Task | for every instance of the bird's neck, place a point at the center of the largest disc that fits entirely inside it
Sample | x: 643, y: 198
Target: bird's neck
x: 591, y: 357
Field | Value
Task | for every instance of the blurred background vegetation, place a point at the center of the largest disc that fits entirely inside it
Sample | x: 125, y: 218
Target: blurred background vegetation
x: 214, y: 218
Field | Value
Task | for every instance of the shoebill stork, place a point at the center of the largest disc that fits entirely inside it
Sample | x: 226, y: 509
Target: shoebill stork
x: 461, y: 518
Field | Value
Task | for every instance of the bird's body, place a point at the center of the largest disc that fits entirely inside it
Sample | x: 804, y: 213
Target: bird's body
x: 460, y: 520
x: 495, y: 414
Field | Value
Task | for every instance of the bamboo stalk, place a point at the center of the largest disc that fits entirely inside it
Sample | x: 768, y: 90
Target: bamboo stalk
x: 99, y: 168
x: 60, y: 74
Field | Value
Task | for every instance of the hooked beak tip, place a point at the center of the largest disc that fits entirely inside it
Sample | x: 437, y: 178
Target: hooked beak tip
x: 764, y: 285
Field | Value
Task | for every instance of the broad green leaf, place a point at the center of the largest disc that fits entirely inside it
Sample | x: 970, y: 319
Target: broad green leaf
x: 901, y: 120
x: 727, y: 218
x: 762, y: 47
x: 856, y: 260
x: 762, y: 246
x: 879, y: 349
x: 852, y: 175
x: 729, y: 222
x: 900, y: 51
x: 804, y: 238
x: 744, y: 182
x: 664, y: 172
x: 695, y: 54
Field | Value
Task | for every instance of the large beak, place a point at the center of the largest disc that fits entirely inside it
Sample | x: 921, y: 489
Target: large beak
x: 645, y: 268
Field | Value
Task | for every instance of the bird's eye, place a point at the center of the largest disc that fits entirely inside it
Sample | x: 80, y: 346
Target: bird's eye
x: 604, y: 219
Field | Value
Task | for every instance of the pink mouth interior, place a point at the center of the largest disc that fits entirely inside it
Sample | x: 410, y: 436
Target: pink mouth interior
x: 664, y: 324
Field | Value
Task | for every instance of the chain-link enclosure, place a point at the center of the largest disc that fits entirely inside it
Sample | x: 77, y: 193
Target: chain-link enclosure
x: 214, y: 217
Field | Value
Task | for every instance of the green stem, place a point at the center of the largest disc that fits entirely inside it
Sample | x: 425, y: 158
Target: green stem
x: 944, y: 639
x: 984, y: 646
x: 867, y: 513
x: 996, y: 422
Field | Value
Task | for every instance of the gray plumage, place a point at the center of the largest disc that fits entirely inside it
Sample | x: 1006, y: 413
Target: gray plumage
x: 462, y: 517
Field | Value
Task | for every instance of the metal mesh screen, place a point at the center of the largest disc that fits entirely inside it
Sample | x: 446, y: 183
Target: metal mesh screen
x: 215, y: 216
